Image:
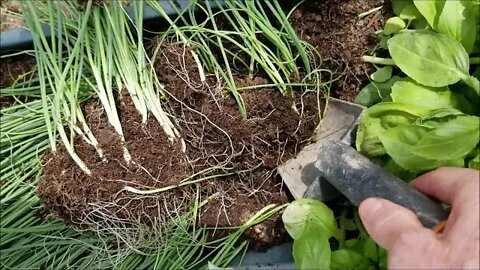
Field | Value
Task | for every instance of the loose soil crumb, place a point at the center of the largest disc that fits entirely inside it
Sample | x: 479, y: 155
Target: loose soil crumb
x: 216, y: 135
x: 341, y: 37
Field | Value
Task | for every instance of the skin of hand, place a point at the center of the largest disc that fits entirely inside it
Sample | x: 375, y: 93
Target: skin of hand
x: 412, y: 246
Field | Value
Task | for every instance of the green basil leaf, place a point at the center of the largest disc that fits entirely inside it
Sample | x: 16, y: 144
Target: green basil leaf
x: 430, y: 58
x: 410, y: 92
x: 393, y: 25
x: 366, y: 247
x: 438, y: 117
x: 380, y: 117
x: 312, y: 251
x: 400, y: 144
x: 348, y: 259
x: 375, y: 92
x: 458, y: 22
x: 451, y: 140
x: 382, y: 74
x: 305, y: 215
x: 457, y: 19
x: 429, y: 9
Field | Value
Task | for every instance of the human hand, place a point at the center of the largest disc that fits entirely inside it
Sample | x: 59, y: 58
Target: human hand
x: 409, y: 244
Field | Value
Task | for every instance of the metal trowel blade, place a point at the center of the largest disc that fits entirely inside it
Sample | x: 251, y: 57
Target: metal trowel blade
x: 300, y: 174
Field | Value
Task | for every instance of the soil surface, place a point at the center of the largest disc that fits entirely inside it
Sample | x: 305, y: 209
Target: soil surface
x: 341, y: 37
x: 245, y: 152
x: 14, y: 69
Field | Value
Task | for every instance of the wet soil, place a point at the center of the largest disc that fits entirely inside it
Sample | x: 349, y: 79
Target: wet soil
x: 341, y: 37
x: 245, y: 152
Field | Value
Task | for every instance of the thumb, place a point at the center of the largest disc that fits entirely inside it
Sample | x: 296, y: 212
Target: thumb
x: 387, y: 222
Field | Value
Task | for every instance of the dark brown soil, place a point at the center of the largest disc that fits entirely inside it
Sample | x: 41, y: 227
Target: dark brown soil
x: 341, y: 37
x: 13, y: 69
x: 216, y: 135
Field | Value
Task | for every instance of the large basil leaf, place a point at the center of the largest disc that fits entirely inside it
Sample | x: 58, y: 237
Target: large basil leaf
x: 312, y: 251
x: 430, y: 58
x: 451, y: 140
x: 305, y: 215
x: 410, y: 92
x: 459, y: 22
x: 400, y: 144
x: 380, y: 117
x: 438, y: 117
x: 457, y: 19
x: 375, y: 92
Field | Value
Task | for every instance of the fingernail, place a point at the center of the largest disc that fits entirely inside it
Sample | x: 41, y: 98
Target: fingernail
x: 370, y: 207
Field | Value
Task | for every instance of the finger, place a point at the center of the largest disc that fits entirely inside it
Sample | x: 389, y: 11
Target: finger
x: 387, y: 222
x: 445, y: 183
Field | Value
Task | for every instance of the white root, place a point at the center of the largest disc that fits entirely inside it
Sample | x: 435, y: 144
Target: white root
x: 201, y: 72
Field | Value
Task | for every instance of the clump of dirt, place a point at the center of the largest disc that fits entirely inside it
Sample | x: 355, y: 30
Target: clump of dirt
x: 244, y: 151
x: 341, y: 37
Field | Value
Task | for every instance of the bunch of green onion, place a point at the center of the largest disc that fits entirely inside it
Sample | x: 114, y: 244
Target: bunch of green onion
x: 268, y: 48
x: 103, y: 54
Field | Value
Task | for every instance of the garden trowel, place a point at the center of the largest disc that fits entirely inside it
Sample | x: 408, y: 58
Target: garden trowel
x: 330, y: 165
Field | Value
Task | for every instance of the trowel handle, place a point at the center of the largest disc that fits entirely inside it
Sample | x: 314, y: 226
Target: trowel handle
x: 359, y: 178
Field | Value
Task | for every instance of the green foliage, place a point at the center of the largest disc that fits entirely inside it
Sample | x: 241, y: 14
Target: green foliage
x: 429, y: 58
x: 457, y: 19
x: 430, y: 118
x: 408, y: 147
x: 382, y: 74
x: 348, y: 259
x: 381, y: 117
x: 375, y: 92
x: 313, y: 227
x: 410, y: 92
x: 304, y: 215
x: 310, y: 223
x: 312, y: 251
